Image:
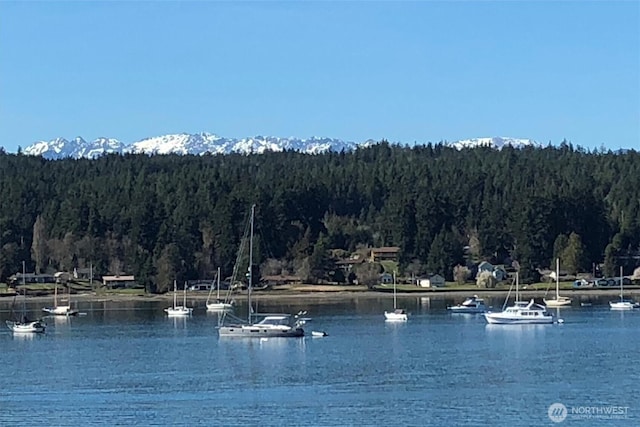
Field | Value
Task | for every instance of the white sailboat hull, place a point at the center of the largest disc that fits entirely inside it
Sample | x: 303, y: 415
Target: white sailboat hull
x: 60, y: 310
x: 178, y: 311
x: 219, y: 306
x: 622, y: 305
x: 395, y: 317
x: 26, y: 327
x: 560, y: 302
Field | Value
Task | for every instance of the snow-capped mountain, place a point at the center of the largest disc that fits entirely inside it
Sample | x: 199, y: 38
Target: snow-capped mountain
x: 201, y: 143
x: 184, y: 143
x: 496, y: 142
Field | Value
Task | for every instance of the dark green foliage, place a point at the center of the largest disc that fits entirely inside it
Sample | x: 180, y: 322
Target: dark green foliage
x: 165, y: 218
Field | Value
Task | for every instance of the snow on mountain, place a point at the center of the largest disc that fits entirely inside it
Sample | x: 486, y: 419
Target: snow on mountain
x: 495, y: 142
x: 201, y: 143
x: 184, y: 143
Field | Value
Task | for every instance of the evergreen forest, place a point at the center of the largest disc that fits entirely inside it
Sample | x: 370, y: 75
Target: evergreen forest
x: 167, y: 217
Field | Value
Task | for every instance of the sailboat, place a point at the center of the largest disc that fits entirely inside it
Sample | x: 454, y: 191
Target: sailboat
x: 398, y: 314
x: 178, y: 310
x: 218, y: 304
x: 271, y: 325
x: 61, y: 310
x: 24, y: 325
x: 520, y: 313
x: 559, y: 301
x: 623, y: 304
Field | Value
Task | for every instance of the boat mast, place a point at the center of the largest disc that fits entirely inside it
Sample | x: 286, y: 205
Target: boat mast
x: 557, y: 279
x: 517, y: 281
x: 394, y: 291
x: 218, y: 286
x: 621, y: 296
x: 184, y: 304
x: 250, y: 263
x: 175, y: 289
x: 24, y: 292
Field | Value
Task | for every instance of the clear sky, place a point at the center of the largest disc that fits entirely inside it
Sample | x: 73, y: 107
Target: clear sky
x: 406, y: 71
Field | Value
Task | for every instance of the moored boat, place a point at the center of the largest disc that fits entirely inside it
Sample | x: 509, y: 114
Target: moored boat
x: 470, y: 305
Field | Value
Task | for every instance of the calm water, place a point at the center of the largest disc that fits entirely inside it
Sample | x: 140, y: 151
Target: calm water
x: 128, y: 364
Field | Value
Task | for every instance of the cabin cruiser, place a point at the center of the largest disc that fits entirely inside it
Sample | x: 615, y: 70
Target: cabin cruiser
x: 521, y: 313
x: 470, y: 305
x: 277, y: 325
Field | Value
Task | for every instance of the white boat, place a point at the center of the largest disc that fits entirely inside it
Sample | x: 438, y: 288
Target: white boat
x: 520, y: 313
x: 60, y: 310
x: 218, y: 304
x: 318, y: 334
x: 178, y: 310
x: 398, y: 314
x: 24, y: 325
x: 623, y: 304
x: 558, y: 301
x: 271, y: 325
x: 470, y: 305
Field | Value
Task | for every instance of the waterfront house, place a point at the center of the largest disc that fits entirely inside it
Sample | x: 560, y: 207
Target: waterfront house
x: 386, y: 278
x: 119, y: 281
x: 433, y: 281
x: 387, y: 253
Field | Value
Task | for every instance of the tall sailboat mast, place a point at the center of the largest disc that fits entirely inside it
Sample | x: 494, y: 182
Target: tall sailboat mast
x: 557, y: 279
x: 250, y: 263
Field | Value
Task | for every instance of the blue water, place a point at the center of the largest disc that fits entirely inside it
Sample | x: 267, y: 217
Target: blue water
x: 128, y: 364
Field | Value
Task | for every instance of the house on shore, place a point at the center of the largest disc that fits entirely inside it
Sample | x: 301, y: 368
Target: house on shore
x: 119, y: 281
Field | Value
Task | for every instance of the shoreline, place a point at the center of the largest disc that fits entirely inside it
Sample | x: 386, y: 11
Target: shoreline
x: 337, y: 294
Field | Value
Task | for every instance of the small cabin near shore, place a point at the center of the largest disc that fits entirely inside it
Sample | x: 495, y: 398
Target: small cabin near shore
x: 433, y: 281
x: 115, y: 282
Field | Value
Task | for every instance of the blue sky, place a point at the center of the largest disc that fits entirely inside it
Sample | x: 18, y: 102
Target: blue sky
x: 406, y: 71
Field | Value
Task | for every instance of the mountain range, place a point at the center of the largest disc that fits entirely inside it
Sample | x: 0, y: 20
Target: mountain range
x: 201, y: 143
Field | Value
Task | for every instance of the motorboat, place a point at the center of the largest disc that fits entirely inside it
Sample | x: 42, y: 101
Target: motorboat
x: 470, y: 305
x: 271, y: 326
x: 521, y: 313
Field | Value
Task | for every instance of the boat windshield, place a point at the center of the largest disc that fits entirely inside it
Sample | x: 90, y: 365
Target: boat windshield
x: 275, y: 320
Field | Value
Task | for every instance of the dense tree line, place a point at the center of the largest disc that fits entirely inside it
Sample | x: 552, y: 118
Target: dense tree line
x: 179, y: 217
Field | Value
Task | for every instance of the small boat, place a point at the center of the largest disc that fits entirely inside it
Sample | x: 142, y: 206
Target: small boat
x: 398, y: 314
x: 470, y: 305
x: 24, y: 325
x: 520, y: 313
x: 585, y: 304
x: 218, y: 304
x: 318, y: 334
x: 178, y: 310
x: 60, y: 310
x: 623, y: 304
x: 558, y: 301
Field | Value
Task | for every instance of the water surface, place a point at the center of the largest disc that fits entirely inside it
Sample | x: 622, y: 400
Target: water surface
x: 128, y: 364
